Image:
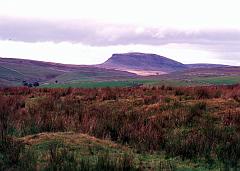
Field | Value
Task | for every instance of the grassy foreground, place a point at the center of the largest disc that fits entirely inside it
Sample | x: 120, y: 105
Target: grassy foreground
x: 82, y: 147
x: 140, y: 128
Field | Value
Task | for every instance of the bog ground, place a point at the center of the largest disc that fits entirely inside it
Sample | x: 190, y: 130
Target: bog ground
x: 132, y: 128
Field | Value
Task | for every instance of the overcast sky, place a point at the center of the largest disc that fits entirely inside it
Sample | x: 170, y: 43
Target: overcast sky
x: 89, y: 31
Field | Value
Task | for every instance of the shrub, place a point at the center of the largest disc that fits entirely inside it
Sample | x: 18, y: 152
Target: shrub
x: 8, y: 107
x: 196, y: 111
x: 229, y: 151
x: 203, y: 93
x: 13, y: 155
x: 179, y: 92
x: 107, y: 163
x: 60, y: 158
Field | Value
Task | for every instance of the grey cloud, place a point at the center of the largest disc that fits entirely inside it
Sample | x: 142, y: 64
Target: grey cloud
x: 99, y: 34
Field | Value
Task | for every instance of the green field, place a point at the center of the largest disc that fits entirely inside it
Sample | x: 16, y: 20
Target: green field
x: 224, y: 80
x: 99, y: 84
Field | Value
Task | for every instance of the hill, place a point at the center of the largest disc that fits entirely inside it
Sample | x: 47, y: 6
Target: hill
x: 205, y: 65
x: 14, y: 71
x: 199, y: 76
x: 203, y: 72
x: 121, y: 70
x: 143, y: 63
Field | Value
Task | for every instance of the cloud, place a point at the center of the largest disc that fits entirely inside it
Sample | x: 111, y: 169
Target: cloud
x: 104, y: 34
x: 87, y: 41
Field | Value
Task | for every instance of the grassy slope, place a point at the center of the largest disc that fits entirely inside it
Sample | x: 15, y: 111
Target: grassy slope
x: 17, y: 72
x: 92, y: 74
x: 9, y: 74
x: 86, y: 146
x: 4, y: 82
x: 14, y: 71
x: 193, y: 77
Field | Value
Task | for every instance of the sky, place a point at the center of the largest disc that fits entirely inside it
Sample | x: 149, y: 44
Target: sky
x: 90, y: 31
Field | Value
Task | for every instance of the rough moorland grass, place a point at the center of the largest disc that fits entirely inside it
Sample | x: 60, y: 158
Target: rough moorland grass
x: 94, y: 153
x: 189, y: 123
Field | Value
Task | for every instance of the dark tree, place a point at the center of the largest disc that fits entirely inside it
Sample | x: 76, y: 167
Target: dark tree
x: 24, y: 83
x: 30, y: 84
x: 36, y: 84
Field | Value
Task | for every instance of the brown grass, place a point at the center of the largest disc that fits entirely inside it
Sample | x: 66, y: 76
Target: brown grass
x: 191, y: 122
x: 69, y: 138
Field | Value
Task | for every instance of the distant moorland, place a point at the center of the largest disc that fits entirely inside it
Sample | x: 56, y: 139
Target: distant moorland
x: 120, y: 70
